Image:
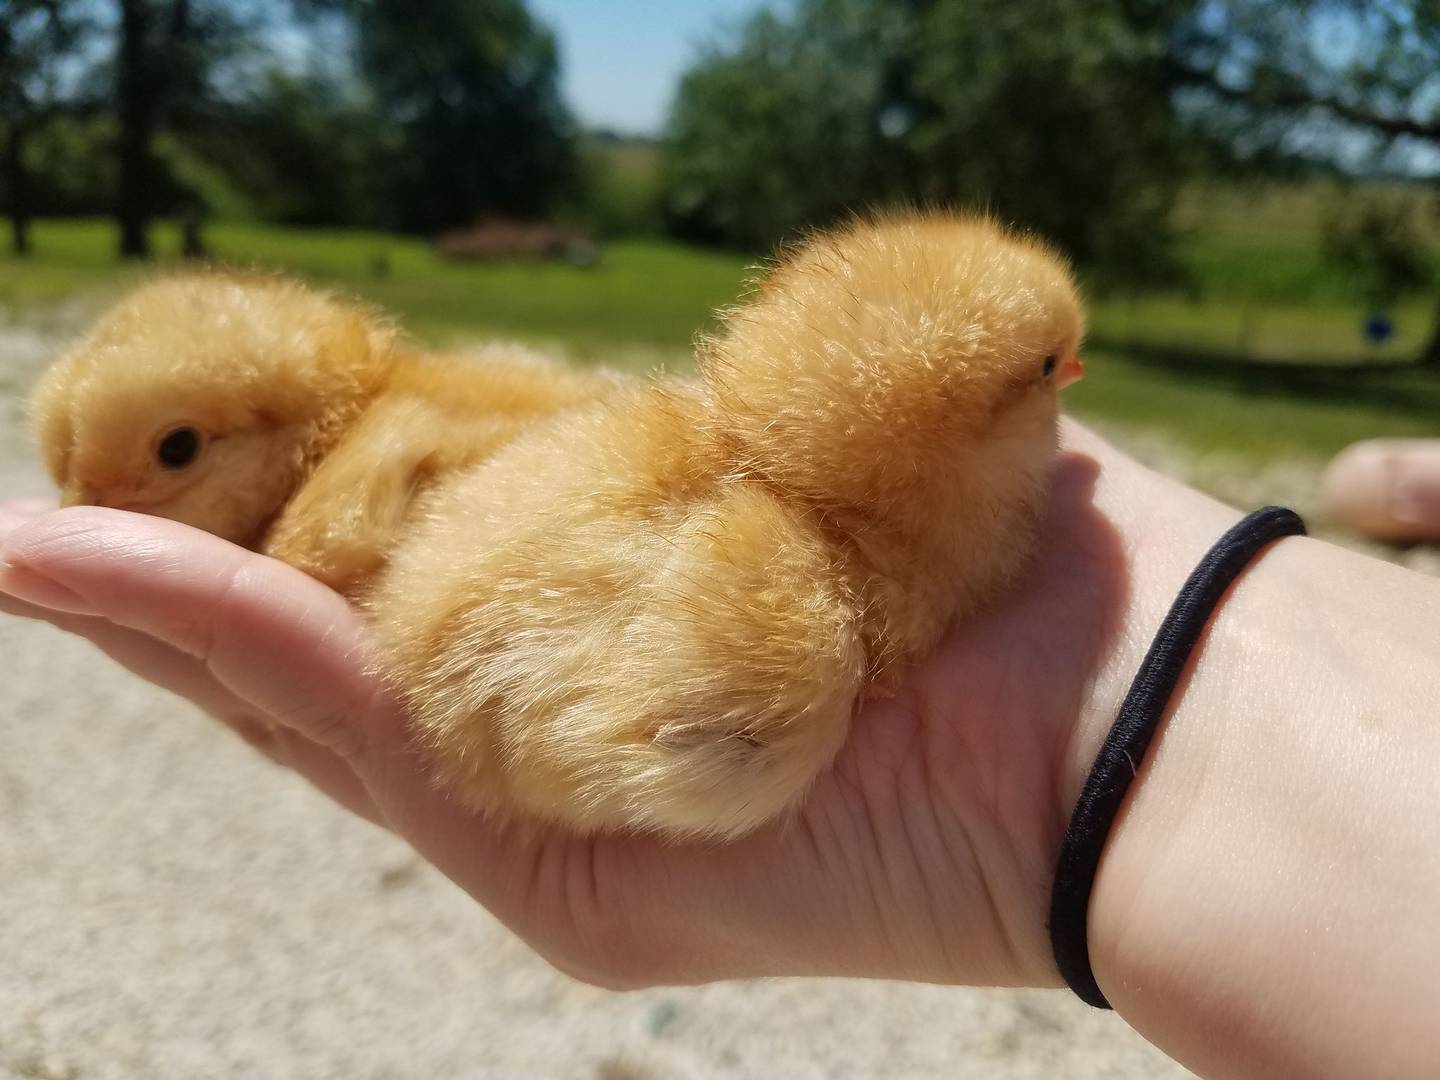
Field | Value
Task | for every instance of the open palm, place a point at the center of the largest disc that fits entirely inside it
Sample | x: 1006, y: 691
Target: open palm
x: 926, y: 853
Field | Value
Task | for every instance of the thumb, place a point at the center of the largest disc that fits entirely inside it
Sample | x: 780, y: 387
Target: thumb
x: 275, y: 638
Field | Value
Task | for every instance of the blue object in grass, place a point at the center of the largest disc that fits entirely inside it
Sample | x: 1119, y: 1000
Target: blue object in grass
x: 1378, y: 328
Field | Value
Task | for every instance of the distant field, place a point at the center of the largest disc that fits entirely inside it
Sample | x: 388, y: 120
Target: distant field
x: 1267, y: 237
x: 1256, y: 330
x: 1252, y: 412
x: 1259, y: 284
x: 1184, y: 366
x: 643, y: 293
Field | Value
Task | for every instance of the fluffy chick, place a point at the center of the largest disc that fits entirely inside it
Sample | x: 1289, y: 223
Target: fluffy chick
x: 615, y: 603
x: 277, y: 417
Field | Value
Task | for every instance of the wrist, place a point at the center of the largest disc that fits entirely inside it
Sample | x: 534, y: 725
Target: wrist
x: 1119, y: 544
x: 1163, y: 530
x: 1277, y: 823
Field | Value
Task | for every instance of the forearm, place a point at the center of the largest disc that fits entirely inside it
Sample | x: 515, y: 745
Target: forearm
x: 1269, y: 901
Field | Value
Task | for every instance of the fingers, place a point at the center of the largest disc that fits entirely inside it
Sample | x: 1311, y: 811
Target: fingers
x: 325, y: 770
x: 16, y: 512
x: 270, y: 635
x: 1387, y: 488
x: 154, y: 661
x: 273, y: 638
x: 188, y: 677
x: 23, y: 509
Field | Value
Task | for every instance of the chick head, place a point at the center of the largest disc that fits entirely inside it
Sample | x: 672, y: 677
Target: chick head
x: 203, y: 397
x: 996, y: 308
x: 893, y: 351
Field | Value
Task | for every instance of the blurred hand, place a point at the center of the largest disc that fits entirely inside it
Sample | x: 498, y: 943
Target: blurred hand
x: 926, y: 854
x: 1387, y: 488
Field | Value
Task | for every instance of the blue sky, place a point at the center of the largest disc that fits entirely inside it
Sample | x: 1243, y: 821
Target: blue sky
x: 622, y: 58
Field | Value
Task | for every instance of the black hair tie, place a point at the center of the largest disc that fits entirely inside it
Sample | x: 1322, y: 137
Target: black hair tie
x: 1124, y: 749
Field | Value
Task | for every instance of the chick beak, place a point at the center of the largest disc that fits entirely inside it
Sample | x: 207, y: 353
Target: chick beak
x: 1071, y: 371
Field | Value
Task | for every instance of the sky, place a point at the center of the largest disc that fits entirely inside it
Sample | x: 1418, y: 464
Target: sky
x: 622, y: 59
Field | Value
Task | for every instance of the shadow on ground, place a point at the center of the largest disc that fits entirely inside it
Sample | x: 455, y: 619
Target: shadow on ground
x: 1405, y: 389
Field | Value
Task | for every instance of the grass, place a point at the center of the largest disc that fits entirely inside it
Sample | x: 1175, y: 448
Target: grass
x: 1255, y: 412
x: 1285, y: 333
x: 649, y: 295
x: 1178, y: 365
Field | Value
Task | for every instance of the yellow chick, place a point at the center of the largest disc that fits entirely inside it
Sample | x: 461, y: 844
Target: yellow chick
x: 614, y: 603
x: 277, y: 417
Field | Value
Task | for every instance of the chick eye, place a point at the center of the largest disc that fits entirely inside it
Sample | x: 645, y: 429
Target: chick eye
x: 1049, y: 368
x: 178, y: 448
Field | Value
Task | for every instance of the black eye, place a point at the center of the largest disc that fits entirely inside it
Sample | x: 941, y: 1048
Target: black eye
x: 1049, y: 365
x: 178, y: 449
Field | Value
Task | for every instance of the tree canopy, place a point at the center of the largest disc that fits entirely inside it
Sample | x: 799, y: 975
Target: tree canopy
x: 1370, y: 66
x: 1365, y: 73
x: 469, y: 93
x: 34, y: 35
x: 1055, y: 114
x: 412, y: 115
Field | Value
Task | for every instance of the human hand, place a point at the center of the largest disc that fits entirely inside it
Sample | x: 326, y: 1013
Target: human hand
x: 926, y: 853
x: 1281, y: 830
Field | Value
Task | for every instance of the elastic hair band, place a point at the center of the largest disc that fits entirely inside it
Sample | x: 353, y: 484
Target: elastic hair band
x: 1124, y: 749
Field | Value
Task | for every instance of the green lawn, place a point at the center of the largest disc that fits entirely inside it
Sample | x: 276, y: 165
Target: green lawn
x: 1277, y: 332
x: 644, y: 294
x: 1176, y: 365
x: 1251, y: 411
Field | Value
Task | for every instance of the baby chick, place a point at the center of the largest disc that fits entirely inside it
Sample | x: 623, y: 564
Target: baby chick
x: 614, y: 603
x: 277, y: 417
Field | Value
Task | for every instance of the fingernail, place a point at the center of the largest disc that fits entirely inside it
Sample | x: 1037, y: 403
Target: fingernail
x: 1411, y: 503
x: 1414, y: 490
x: 41, y: 591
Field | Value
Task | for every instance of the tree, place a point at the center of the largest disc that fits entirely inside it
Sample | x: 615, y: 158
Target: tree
x: 165, y: 51
x: 34, y: 35
x: 782, y: 127
x: 1055, y: 114
x: 1060, y: 115
x: 779, y: 128
x: 302, y: 146
x: 1374, y: 237
x: 468, y: 93
x: 1287, y: 67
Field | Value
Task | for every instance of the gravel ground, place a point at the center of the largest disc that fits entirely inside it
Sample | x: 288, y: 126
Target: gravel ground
x: 172, y: 906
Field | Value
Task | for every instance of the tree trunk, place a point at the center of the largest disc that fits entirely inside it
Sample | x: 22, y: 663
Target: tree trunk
x: 135, y: 91
x: 15, y: 184
x: 1430, y: 355
x: 192, y: 238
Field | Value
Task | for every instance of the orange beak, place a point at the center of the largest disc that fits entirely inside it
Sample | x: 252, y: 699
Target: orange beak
x: 1071, y: 371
